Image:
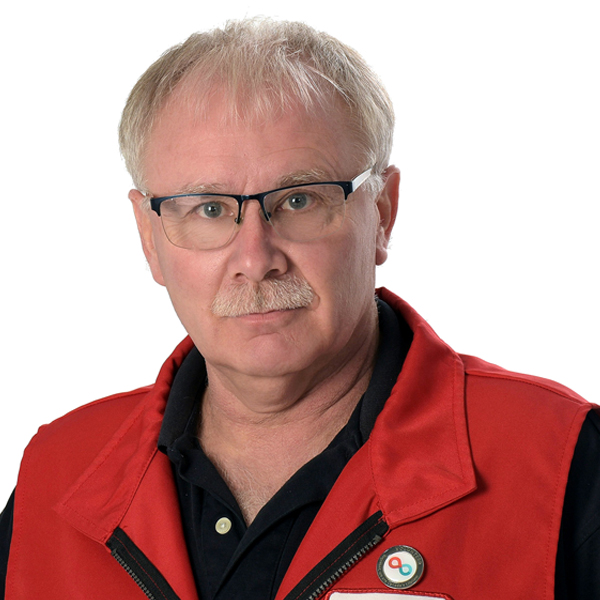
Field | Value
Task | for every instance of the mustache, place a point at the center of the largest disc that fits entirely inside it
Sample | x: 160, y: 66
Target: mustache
x: 269, y: 295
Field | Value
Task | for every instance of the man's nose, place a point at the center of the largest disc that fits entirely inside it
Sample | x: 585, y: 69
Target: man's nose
x: 256, y: 252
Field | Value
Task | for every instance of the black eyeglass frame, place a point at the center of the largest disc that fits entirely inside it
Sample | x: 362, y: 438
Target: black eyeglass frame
x: 347, y: 186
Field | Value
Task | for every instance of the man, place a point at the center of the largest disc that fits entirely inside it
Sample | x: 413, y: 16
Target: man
x: 308, y: 439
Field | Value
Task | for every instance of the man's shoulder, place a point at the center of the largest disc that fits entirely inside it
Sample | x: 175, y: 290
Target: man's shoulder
x: 495, y: 389
x: 92, y: 424
x: 64, y: 449
x: 512, y: 390
x: 85, y: 430
x: 476, y: 367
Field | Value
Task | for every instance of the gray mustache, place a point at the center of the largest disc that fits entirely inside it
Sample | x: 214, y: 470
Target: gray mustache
x: 268, y: 295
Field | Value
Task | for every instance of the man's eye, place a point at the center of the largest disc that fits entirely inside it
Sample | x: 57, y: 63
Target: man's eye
x: 210, y: 210
x: 297, y: 201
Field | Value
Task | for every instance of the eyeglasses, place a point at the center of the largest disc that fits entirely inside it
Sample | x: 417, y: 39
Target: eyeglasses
x: 298, y: 213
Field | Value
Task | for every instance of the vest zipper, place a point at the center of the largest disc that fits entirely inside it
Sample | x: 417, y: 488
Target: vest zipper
x: 136, y: 564
x: 344, y: 556
x: 132, y: 574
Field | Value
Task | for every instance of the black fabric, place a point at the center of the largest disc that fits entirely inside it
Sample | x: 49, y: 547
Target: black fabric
x: 578, y: 556
x: 6, y: 525
x: 251, y: 561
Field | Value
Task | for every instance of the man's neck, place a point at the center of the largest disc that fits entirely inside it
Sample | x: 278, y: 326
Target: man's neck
x: 259, y: 439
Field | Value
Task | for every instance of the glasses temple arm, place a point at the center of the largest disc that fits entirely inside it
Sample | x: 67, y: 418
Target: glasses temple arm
x: 360, y: 179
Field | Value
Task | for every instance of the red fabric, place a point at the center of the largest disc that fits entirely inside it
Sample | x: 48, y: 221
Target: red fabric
x: 468, y: 463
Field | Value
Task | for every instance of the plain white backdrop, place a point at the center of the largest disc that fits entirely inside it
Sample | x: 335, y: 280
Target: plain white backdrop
x: 498, y: 140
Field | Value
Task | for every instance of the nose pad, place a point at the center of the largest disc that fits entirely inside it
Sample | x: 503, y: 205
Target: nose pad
x: 264, y: 212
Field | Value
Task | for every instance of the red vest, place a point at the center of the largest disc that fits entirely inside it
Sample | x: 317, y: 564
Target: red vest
x: 467, y: 464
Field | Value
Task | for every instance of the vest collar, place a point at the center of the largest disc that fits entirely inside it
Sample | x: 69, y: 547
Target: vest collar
x: 421, y: 437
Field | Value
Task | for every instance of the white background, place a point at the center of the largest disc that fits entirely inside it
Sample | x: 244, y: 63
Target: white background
x: 498, y: 141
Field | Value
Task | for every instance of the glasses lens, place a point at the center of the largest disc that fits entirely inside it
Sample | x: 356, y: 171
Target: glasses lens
x: 199, y: 222
x: 307, y: 212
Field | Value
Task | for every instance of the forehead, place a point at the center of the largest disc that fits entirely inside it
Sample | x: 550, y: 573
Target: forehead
x: 189, y: 148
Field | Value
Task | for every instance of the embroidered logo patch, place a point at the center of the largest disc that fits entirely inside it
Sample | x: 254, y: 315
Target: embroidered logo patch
x: 400, y: 567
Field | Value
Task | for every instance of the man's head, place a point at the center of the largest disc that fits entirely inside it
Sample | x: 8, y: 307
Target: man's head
x: 254, y: 108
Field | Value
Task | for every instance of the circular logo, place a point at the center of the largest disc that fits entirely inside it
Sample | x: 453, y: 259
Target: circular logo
x: 400, y: 567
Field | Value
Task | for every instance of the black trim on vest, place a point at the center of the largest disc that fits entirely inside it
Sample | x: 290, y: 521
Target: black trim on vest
x: 139, y: 568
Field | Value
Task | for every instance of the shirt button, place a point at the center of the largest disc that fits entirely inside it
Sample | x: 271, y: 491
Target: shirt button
x: 223, y: 525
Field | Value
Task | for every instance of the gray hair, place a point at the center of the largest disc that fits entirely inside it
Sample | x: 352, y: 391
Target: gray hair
x: 265, y: 68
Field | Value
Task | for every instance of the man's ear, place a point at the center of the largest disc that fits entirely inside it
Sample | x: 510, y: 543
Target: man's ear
x: 387, y: 205
x: 143, y: 217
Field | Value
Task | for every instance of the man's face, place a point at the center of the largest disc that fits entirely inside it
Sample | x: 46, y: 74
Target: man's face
x: 308, y: 342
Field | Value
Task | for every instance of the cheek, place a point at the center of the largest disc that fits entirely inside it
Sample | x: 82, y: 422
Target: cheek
x: 344, y: 266
x: 361, y: 247
x: 191, y: 280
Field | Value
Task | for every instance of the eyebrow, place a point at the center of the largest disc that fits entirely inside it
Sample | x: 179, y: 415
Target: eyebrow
x: 300, y: 177
x: 201, y: 188
x: 291, y: 179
